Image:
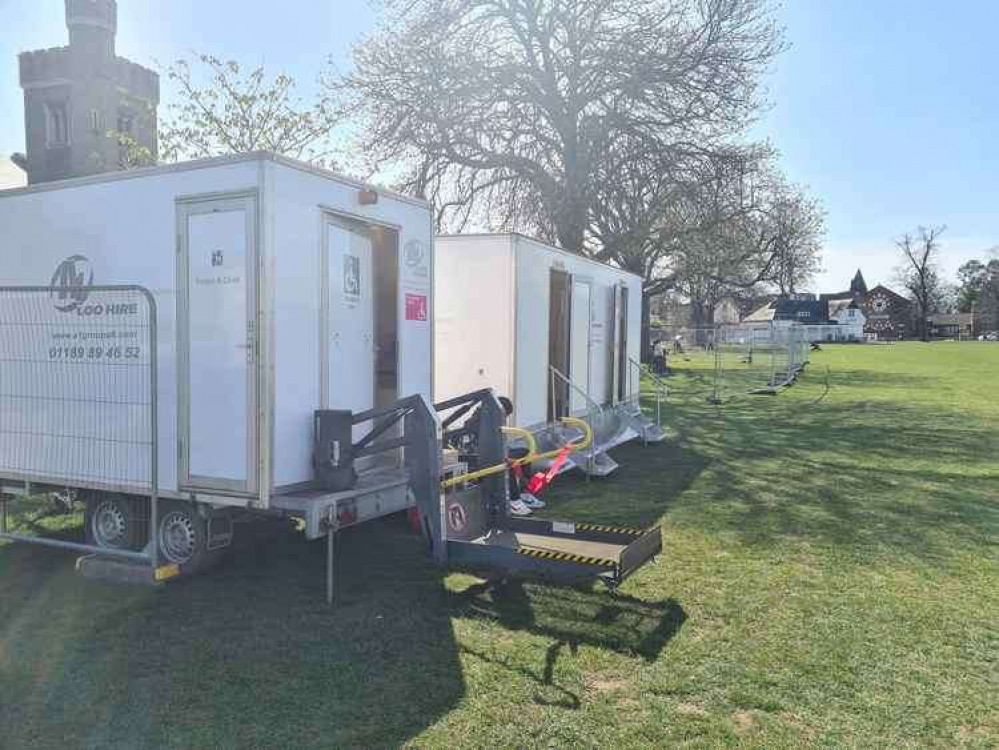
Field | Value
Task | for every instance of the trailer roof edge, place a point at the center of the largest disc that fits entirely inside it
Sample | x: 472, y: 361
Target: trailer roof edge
x: 521, y: 236
x: 214, y: 161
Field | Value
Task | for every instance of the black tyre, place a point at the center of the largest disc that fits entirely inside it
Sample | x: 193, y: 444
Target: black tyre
x: 182, y: 535
x: 114, y: 521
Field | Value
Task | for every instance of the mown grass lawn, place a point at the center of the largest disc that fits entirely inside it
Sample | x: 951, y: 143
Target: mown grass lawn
x: 830, y: 576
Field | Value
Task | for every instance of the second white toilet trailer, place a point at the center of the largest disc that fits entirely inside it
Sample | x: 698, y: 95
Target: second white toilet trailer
x: 555, y: 332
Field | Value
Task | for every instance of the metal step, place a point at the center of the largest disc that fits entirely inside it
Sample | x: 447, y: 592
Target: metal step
x: 599, y: 465
x: 647, y: 430
x: 653, y: 433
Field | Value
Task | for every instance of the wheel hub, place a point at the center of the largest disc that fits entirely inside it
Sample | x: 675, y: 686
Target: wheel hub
x: 178, y: 540
x: 108, y: 525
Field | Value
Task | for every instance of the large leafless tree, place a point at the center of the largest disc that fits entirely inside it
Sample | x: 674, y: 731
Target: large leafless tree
x: 711, y: 225
x: 919, y: 272
x: 502, y: 110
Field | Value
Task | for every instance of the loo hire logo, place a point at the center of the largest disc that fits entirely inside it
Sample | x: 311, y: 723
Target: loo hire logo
x: 70, y: 283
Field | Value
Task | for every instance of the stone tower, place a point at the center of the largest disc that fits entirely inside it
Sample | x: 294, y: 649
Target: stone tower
x: 76, y: 98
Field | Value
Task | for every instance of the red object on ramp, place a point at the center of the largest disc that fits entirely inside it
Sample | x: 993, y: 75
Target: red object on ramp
x: 544, y: 478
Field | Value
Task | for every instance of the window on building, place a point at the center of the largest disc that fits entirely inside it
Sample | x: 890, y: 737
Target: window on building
x: 96, y: 121
x: 58, y: 124
x: 803, y: 314
x: 126, y: 123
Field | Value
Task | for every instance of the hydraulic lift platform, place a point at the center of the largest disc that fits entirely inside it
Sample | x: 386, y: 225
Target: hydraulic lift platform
x: 560, y: 550
x: 477, y: 529
x: 463, y: 505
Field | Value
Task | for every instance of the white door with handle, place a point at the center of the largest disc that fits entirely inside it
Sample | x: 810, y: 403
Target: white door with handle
x: 218, y: 335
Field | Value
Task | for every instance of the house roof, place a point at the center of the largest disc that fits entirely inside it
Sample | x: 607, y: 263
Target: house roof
x: 808, y: 311
x: 952, y: 319
x: 838, y: 305
x: 762, y: 315
x: 882, y: 289
x: 802, y: 310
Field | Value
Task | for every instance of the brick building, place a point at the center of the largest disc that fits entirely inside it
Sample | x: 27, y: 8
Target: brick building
x: 889, y: 315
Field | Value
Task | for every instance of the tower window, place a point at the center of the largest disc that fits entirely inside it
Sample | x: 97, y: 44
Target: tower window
x: 58, y: 124
x: 125, y: 124
x: 96, y: 121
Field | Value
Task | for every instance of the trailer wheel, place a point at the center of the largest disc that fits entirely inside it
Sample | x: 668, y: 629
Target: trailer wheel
x: 182, y: 535
x: 114, y: 521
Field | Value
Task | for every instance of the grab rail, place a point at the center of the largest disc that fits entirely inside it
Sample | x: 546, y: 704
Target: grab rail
x: 532, y: 456
x: 594, y: 410
x: 568, y: 381
x: 661, y: 391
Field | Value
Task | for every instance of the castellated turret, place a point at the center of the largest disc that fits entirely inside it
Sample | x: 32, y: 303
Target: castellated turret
x: 77, y: 98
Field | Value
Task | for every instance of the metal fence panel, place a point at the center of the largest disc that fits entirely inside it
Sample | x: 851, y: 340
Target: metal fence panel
x: 78, y: 404
x: 736, y: 359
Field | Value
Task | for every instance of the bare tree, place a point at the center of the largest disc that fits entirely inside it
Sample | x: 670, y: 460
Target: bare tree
x: 919, y: 272
x: 223, y: 109
x: 501, y: 110
x: 710, y: 225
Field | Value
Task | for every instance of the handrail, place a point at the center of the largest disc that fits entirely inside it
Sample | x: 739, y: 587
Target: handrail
x: 589, y: 401
x: 662, y: 390
x: 657, y: 379
x: 532, y: 456
x: 528, y: 437
x: 594, y: 410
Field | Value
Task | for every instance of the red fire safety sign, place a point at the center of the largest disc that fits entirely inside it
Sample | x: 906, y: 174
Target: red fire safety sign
x: 416, y: 307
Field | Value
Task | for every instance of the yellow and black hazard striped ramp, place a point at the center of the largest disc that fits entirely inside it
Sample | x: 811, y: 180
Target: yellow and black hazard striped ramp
x: 604, y: 529
x: 571, y: 557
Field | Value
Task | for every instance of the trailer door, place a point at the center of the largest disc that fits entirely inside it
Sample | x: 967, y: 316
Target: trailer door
x: 349, y: 318
x: 579, y: 343
x: 217, y: 330
x: 559, y: 293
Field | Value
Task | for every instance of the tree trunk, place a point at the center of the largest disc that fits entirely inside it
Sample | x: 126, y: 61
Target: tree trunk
x: 570, y: 226
x: 701, y: 314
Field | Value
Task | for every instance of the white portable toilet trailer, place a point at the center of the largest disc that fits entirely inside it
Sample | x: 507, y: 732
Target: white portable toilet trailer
x: 557, y: 333
x: 280, y: 289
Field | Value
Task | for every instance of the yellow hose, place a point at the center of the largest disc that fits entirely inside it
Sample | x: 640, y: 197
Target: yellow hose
x: 532, y: 454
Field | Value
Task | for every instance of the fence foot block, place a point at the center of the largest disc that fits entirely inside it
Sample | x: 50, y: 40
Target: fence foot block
x: 97, y: 568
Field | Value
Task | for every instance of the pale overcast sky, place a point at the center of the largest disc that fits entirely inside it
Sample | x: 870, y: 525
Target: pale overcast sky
x: 886, y: 110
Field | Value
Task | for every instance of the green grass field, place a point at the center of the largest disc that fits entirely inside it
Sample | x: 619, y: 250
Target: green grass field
x: 830, y: 577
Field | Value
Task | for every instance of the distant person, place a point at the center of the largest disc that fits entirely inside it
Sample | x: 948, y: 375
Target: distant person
x: 678, y: 344
x: 659, y: 357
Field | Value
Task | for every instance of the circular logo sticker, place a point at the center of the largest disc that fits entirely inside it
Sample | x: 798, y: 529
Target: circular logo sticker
x: 457, y: 517
x: 70, y: 281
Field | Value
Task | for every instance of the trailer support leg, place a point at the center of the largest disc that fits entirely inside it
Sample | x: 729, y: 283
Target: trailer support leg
x: 332, y: 555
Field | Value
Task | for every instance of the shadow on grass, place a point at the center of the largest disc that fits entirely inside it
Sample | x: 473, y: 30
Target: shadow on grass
x: 570, y: 617
x: 866, y: 476
x: 649, y: 478
x: 249, y: 655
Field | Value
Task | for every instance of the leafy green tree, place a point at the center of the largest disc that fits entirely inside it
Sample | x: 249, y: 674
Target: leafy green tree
x: 221, y: 108
x: 972, y: 278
